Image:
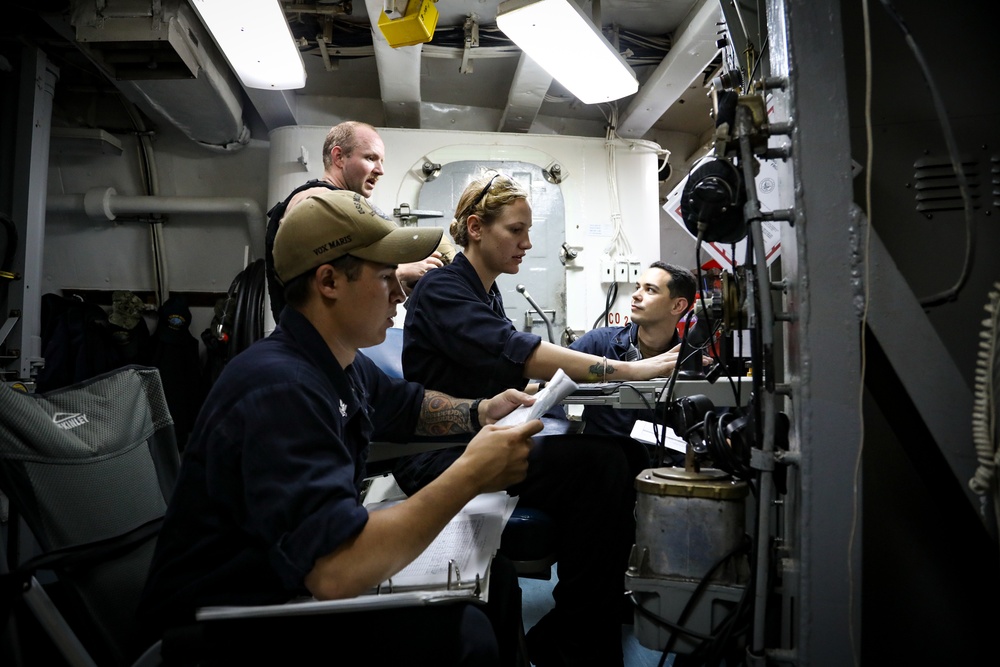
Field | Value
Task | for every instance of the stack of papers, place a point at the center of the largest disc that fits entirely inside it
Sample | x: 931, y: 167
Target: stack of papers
x: 462, y: 551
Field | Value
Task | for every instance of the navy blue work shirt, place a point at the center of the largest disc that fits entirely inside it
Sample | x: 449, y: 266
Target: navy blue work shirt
x: 457, y: 337
x: 613, y: 343
x: 270, y: 480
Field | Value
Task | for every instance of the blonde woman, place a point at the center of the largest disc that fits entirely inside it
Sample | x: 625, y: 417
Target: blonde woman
x: 458, y: 339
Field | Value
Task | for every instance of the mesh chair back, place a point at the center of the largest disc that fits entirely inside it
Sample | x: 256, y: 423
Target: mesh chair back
x: 86, y: 465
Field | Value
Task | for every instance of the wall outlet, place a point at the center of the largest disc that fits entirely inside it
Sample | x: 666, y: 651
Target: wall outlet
x: 634, y: 269
x: 621, y: 270
x: 607, y: 269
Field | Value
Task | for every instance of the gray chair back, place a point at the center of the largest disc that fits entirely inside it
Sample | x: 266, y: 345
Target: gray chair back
x: 90, y: 468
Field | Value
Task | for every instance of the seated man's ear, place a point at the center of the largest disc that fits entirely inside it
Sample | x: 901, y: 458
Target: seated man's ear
x: 326, y: 279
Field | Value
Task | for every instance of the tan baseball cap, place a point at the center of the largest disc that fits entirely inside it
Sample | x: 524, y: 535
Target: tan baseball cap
x: 323, y: 227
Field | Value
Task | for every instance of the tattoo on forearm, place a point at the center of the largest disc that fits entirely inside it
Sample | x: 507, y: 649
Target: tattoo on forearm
x: 601, y: 371
x: 441, y: 414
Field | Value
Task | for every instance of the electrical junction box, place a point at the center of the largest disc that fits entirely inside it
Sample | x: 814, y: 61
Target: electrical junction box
x: 416, y: 26
x: 634, y: 269
x: 621, y: 269
x: 607, y: 270
x: 622, y: 274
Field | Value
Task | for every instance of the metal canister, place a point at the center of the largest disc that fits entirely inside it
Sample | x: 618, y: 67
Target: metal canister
x: 687, y: 522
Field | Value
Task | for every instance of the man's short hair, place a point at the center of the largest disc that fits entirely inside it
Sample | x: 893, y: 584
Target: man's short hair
x: 296, y: 292
x: 682, y: 281
x: 343, y: 135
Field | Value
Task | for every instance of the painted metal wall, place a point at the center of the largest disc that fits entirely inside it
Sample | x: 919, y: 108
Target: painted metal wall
x: 883, y: 540
x: 586, y: 189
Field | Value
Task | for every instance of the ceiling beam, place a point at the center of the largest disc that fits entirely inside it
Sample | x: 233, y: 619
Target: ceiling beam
x: 527, y: 92
x: 276, y: 108
x: 693, y: 49
x: 398, y: 75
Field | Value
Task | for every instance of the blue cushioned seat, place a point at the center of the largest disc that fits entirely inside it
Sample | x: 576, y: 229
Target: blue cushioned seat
x: 388, y: 355
x: 529, y: 541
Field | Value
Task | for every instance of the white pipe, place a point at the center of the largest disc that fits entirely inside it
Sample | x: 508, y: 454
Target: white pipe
x: 105, y: 203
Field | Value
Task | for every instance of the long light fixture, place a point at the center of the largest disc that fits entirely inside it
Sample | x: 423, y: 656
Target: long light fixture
x: 254, y: 37
x: 558, y: 36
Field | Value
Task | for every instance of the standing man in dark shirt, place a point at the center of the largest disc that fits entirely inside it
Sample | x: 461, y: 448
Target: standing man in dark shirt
x: 353, y: 155
x: 267, y: 506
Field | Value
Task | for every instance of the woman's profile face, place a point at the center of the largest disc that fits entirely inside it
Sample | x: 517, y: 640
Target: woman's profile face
x: 504, y: 242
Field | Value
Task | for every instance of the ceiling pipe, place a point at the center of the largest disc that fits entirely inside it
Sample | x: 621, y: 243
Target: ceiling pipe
x: 105, y: 203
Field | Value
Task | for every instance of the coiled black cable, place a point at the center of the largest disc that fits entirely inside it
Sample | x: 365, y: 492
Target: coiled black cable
x: 247, y: 291
x: 725, y: 443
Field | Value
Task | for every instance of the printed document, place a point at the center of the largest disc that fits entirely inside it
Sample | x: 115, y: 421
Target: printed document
x: 556, y: 389
x: 463, y: 550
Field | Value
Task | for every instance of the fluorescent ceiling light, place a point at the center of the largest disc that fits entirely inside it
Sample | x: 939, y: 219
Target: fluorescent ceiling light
x: 557, y: 35
x: 254, y: 37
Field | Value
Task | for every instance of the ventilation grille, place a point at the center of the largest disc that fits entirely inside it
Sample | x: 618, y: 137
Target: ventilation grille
x: 937, y: 185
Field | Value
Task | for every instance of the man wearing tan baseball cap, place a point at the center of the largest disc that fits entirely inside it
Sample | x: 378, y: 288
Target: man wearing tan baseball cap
x: 332, y: 224
x: 267, y: 507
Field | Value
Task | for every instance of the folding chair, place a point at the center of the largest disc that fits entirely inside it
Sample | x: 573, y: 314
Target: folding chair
x: 90, y: 468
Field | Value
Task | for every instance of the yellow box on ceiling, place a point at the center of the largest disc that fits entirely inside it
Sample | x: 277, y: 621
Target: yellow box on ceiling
x: 416, y: 26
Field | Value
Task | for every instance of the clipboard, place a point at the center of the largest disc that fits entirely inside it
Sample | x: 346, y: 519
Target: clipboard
x: 468, y: 542
x: 375, y: 600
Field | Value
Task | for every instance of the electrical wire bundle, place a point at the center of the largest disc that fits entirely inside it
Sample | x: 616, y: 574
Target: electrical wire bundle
x: 618, y: 248
x: 609, y: 302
